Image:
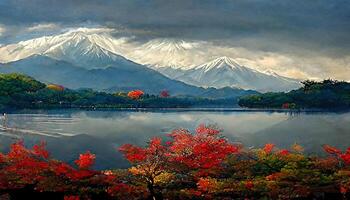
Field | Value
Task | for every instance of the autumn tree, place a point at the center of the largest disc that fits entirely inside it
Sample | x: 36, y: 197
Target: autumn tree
x: 164, y: 94
x: 55, y: 87
x: 204, y: 151
x: 149, y: 163
x: 135, y: 94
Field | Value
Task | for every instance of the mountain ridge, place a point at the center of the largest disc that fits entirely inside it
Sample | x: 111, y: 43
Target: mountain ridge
x: 90, y: 50
x: 110, y: 79
x: 224, y: 71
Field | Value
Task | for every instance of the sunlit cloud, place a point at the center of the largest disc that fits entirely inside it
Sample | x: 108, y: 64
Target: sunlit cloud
x: 185, y: 53
x: 43, y: 27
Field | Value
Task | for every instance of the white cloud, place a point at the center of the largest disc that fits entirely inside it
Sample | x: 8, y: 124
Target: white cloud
x: 2, y: 30
x: 43, y: 27
x: 188, y: 53
x: 91, y: 30
x: 185, y: 54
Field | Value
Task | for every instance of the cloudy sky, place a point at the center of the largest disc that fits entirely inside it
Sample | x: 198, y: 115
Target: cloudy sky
x: 296, y: 38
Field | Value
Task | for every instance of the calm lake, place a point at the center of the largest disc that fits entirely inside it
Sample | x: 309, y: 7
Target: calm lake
x: 70, y: 132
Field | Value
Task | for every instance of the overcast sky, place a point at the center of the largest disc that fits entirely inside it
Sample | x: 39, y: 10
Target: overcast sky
x: 298, y: 38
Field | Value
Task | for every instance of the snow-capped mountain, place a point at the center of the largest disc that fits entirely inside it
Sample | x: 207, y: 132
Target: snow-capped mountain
x: 159, y: 53
x: 85, y: 59
x: 91, y: 49
x: 80, y: 47
x: 223, y: 71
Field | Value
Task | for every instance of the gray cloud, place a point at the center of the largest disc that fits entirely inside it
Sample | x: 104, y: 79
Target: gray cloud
x: 295, y: 19
x: 294, y: 28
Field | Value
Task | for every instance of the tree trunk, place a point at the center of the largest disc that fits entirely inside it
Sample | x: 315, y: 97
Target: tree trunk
x: 153, y: 194
x: 151, y: 191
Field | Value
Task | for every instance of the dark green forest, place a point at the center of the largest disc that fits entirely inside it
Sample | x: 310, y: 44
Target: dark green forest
x: 326, y: 94
x: 19, y: 91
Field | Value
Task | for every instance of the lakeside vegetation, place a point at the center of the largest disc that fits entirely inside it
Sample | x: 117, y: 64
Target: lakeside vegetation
x: 199, y: 165
x: 19, y: 91
x: 327, y: 94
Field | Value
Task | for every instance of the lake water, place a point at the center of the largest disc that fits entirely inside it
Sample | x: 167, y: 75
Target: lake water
x: 70, y: 132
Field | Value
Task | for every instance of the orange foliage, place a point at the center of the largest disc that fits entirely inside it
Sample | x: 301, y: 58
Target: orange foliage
x: 201, y: 165
x: 249, y: 185
x: 331, y: 150
x: 55, y: 87
x: 268, y: 148
x: 135, y: 94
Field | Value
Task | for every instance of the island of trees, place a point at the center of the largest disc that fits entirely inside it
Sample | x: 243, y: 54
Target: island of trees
x: 327, y: 94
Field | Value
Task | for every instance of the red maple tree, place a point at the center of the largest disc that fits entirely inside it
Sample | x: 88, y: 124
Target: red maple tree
x: 205, y: 150
x: 135, y: 94
x: 164, y: 94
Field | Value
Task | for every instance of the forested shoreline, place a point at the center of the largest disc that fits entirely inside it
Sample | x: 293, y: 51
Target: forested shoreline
x: 23, y: 92
x: 326, y: 94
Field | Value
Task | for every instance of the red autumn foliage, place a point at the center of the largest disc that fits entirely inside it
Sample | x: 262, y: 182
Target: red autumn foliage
x: 21, y: 167
x: 331, y: 150
x: 164, y: 94
x: 205, y: 150
x: 206, y: 185
x: 249, y: 185
x: 135, y: 94
x: 343, y: 190
x: 85, y: 160
x: 149, y: 162
x: 71, y: 198
x: 283, y: 152
x: 203, y: 184
x: 268, y: 148
x: 199, y: 165
x: 116, y: 189
x: 285, y: 105
x: 345, y: 157
x: 40, y: 150
x: 133, y: 153
x: 274, y: 176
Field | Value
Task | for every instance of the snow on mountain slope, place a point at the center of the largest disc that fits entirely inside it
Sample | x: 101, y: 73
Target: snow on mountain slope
x: 111, y: 79
x: 172, y: 53
x: 80, y: 47
x: 224, y: 71
x: 92, y: 49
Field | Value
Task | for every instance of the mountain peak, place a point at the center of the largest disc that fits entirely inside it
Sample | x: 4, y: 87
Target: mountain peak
x: 220, y: 62
x: 227, y: 60
x: 72, y: 46
x: 169, y: 45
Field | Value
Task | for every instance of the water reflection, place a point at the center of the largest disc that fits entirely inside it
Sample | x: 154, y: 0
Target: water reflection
x: 70, y: 132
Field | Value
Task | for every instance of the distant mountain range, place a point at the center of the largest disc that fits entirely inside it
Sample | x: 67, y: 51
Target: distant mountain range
x: 225, y: 72
x: 83, y: 59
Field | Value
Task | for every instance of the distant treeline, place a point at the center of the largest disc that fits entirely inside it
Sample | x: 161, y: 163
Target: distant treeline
x: 19, y: 91
x: 327, y: 94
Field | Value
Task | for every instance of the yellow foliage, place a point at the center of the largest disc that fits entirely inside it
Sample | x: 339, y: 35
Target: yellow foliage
x: 298, y: 148
x: 55, y: 87
x: 164, y: 177
x: 136, y: 171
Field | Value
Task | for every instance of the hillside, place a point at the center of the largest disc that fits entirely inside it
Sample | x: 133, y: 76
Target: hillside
x: 328, y: 94
x: 29, y: 93
x: 226, y: 72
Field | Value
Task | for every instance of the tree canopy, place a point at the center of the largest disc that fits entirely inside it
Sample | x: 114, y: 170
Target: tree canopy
x: 327, y: 94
